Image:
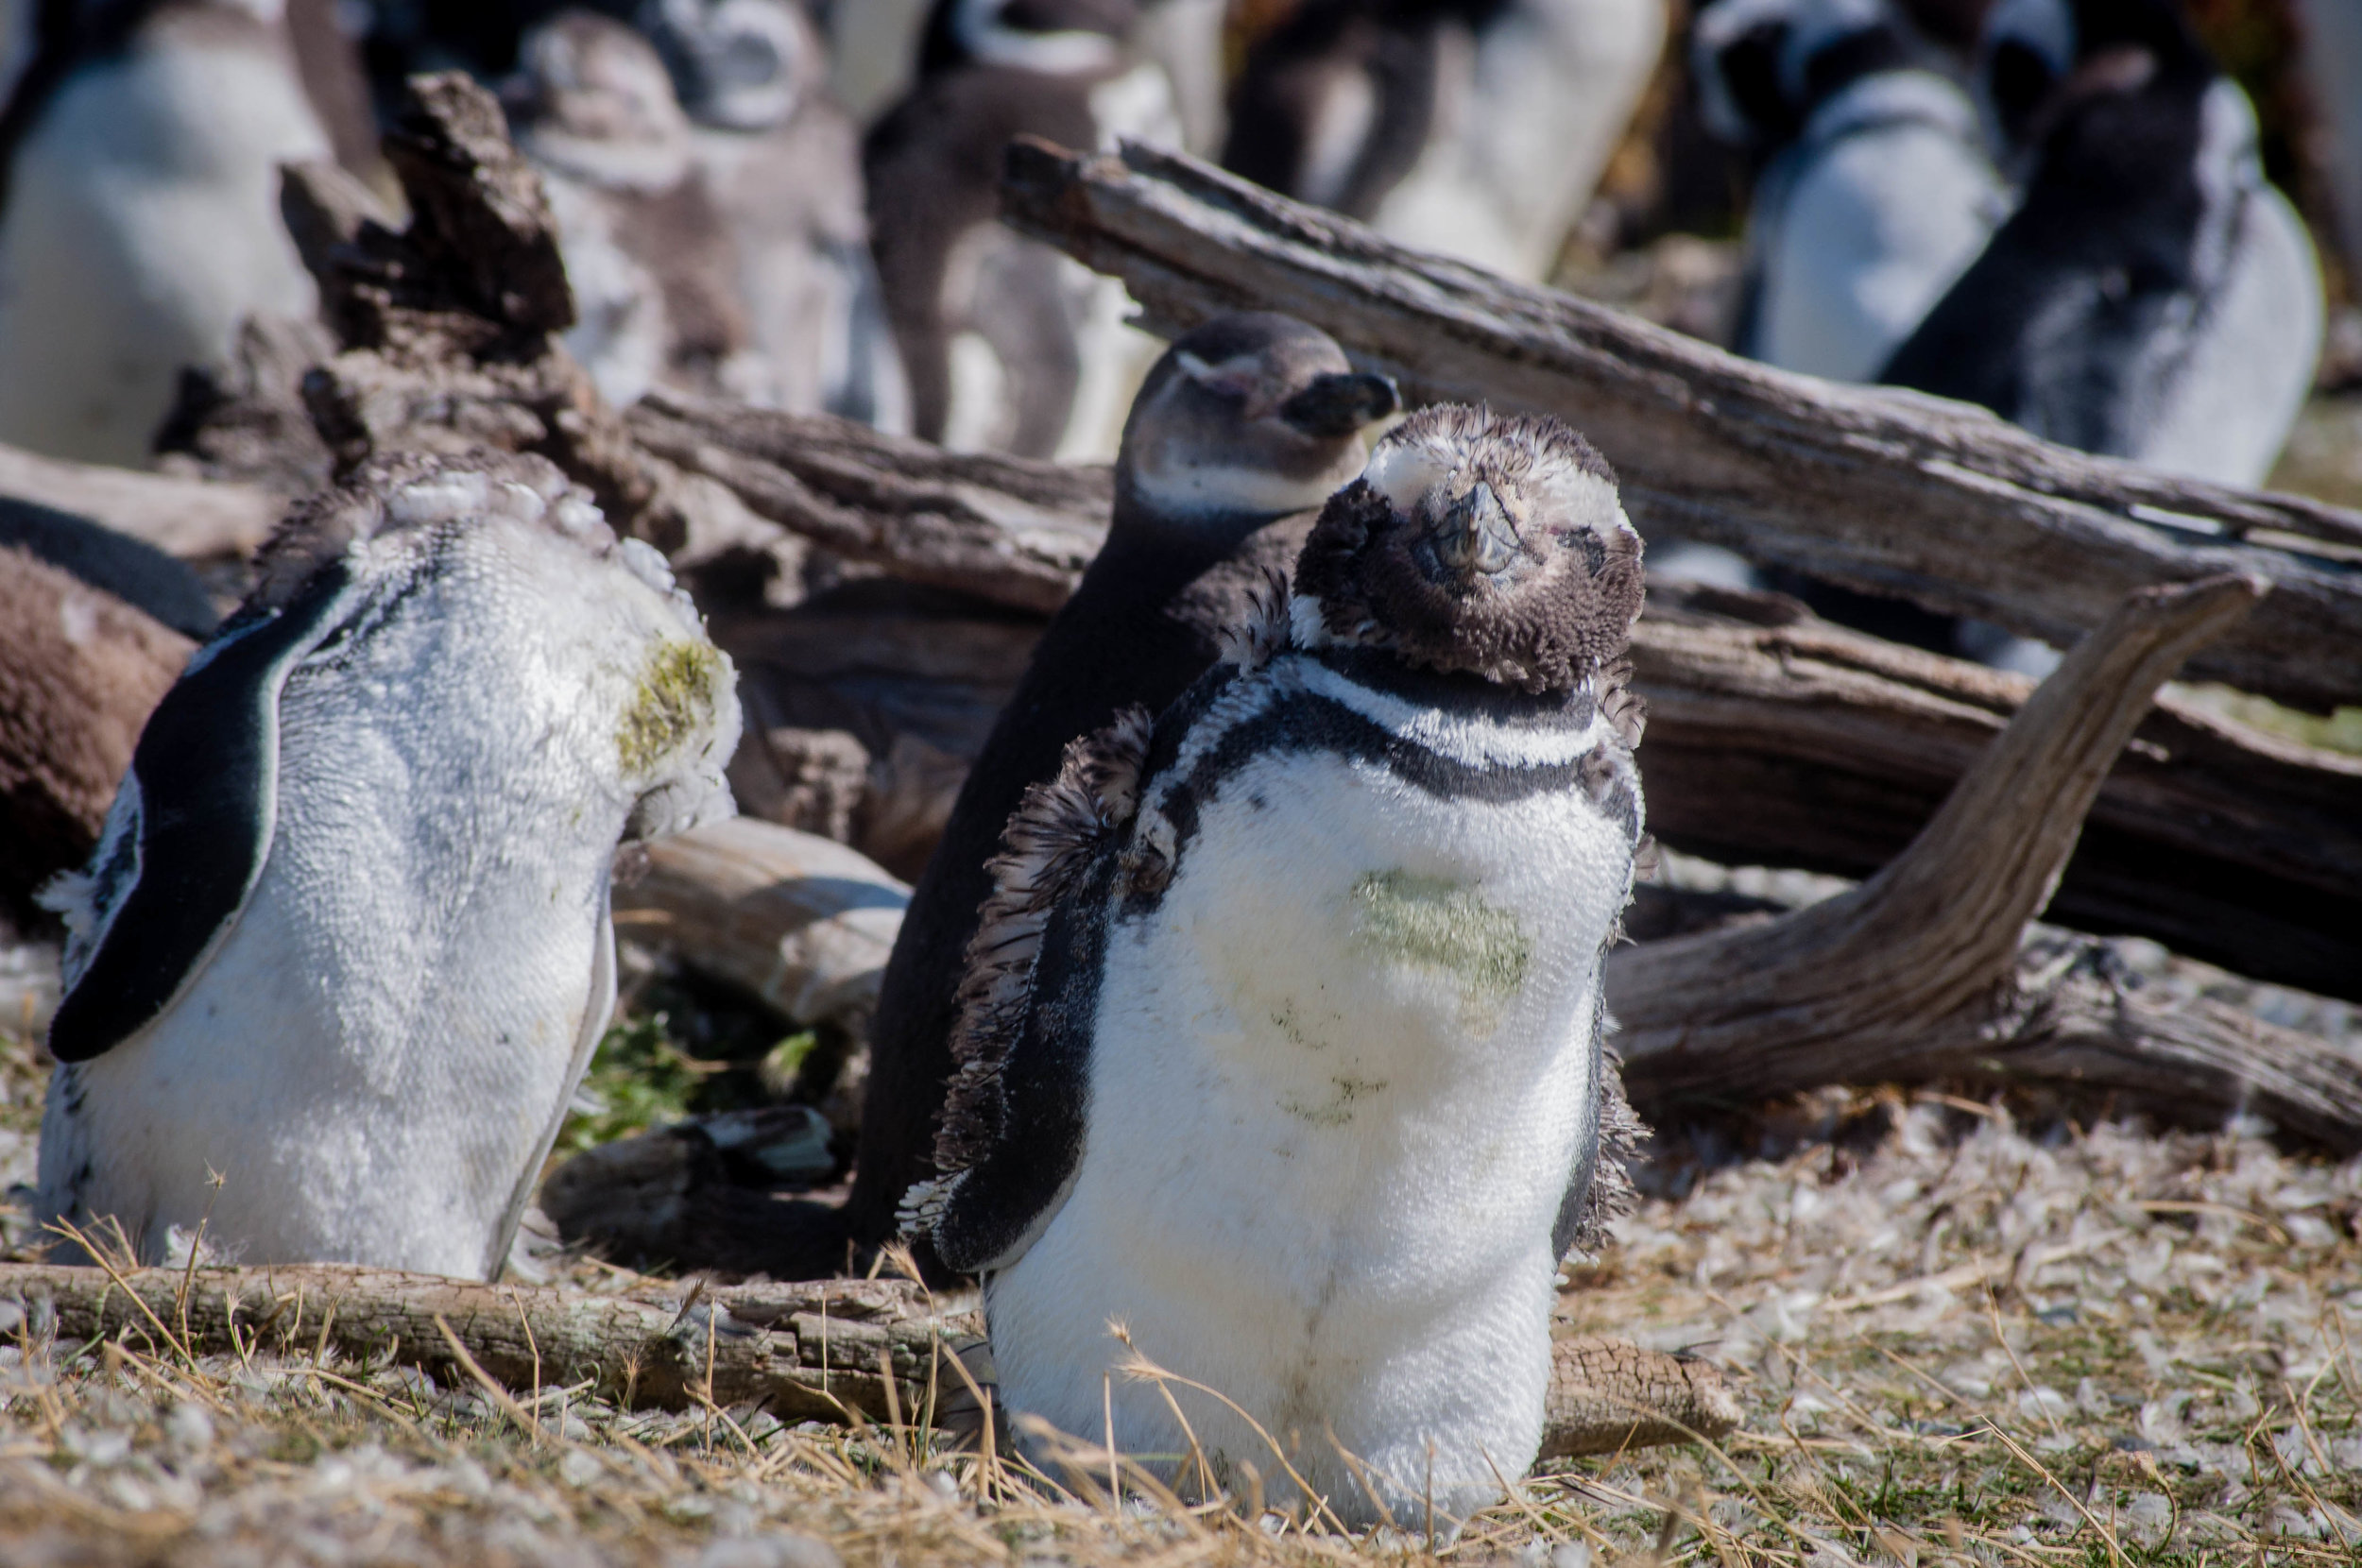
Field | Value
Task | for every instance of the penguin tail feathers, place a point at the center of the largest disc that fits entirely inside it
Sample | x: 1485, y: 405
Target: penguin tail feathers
x: 1050, y: 843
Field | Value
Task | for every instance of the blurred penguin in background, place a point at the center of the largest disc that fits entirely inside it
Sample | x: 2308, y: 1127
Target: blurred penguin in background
x: 139, y: 220
x: 2152, y: 298
x: 1009, y: 346
x: 1474, y: 128
x: 1876, y: 190
x: 783, y: 161
x: 651, y: 264
x: 2332, y: 55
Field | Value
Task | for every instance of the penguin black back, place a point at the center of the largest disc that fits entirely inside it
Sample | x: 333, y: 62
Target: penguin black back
x: 1242, y: 430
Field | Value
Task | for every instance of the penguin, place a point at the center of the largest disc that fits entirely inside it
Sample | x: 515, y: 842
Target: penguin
x: 782, y: 162
x: 141, y: 219
x: 130, y: 569
x: 648, y: 252
x: 343, y: 950
x: 2152, y: 298
x: 1471, y: 128
x: 1243, y: 428
x: 1281, y: 1040
x: 1876, y: 194
x: 1009, y: 346
x: 2331, y: 31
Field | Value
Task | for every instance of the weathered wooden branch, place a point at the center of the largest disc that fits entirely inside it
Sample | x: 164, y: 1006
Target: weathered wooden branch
x: 1774, y: 736
x: 798, y: 922
x: 1011, y: 530
x: 818, y: 1351
x: 188, y: 518
x: 80, y: 671
x: 1920, y: 974
x: 1887, y: 492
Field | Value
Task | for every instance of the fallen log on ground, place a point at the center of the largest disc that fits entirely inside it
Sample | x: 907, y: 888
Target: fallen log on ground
x: 832, y: 1349
x: 800, y: 923
x: 189, y: 517
x: 1777, y: 737
x: 1920, y: 973
x: 1890, y: 493
x: 1011, y: 530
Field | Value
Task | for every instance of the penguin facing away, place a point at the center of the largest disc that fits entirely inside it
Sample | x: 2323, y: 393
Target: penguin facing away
x: 2152, y: 298
x: 345, y: 940
x: 1281, y: 1040
x: 141, y: 218
x: 1243, y: 428
x: 1876, y: 194
x: 782, y: 162
x: 1009, y: 346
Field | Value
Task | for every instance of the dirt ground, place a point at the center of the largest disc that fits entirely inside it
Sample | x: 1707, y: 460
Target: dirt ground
x: 1959, y: 1336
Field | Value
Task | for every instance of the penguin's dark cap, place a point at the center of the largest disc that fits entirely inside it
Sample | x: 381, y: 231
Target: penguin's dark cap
x: 1251, y: 414
x: 1762, y: 66
x: 2039, y: 60
x: 1477, y: 545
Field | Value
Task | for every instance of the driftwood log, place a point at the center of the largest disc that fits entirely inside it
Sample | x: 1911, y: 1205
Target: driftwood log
x: 188, y: 518
x: 1776, y: 736
x: 80, y: 671
x: 1887, y: 492
x: 830, y: 1350
x: 800, y: 923
x: 1920, y: 972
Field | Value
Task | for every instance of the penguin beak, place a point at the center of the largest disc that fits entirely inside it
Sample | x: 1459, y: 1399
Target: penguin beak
x: 1475, y: 537
x: 1340, y: 404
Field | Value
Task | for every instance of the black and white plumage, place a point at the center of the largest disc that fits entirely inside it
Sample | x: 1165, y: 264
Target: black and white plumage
x: 1242, y: 430
x: 2152, y: 298
x: 345, y: 940
x: 1282, y: 1043
x: 1876, y: 194
x: 783, y: 161
x: 1474, y: 128
x: 1009, y: 346
x: 140, y: 224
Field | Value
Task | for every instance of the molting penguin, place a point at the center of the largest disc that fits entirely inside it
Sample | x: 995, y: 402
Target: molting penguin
x: 1474, y: 129
x: 783, y: 163
x: 1009, y: 345
x: 2152, y: 298
x: 1281, y: 1041
x: 1876, y: 194
x: 142, y: 213
x: 345, y: 939
x: 1243, y: 429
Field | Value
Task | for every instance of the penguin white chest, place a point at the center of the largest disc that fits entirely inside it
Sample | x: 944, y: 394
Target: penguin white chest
x: 1338, y: 1077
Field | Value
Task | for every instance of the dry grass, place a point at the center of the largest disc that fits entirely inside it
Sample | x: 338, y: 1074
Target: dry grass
x: 1959, y: 1341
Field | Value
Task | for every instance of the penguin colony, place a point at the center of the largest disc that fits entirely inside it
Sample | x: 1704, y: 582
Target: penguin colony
x: 1281, y: 1037
x: 345, y: 942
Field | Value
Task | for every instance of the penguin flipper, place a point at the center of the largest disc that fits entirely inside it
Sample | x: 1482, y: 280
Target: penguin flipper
x: 1011, y: 1134
x: 596, y: 1010
x: 190, y: 829
x: 1601, y: 1189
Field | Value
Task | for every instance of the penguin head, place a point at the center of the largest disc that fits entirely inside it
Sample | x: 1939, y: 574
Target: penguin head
x: 1247, y: 415
x: 737, y: 65
x: 657, y: 711
x: 1761, y: 65
x: 1056, y: 38
x: 1472, y: 543
x: 2039, y: 60
x: 592, y: 100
